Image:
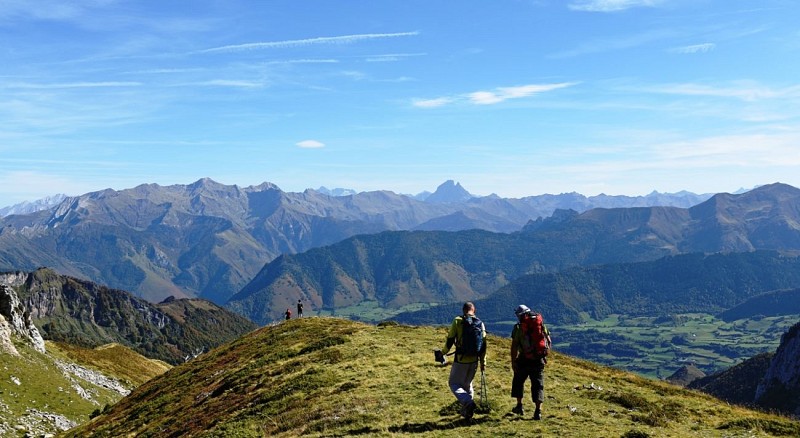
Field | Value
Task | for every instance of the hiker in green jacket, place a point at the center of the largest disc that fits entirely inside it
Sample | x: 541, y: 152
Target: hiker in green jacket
x: 468, y: 334
x: 530, y: 343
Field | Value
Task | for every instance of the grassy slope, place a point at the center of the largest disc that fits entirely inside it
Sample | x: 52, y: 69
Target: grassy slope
x: 113, y: 360
x: 42, y: 386
x: 333, y: 377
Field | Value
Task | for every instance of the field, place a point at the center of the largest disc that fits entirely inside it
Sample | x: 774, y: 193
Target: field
x: 657, y: 347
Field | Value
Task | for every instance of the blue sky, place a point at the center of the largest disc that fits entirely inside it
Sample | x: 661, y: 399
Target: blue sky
x: 513, y: 97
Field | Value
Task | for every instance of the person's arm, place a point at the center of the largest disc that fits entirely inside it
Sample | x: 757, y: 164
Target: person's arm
x: 514, y: 348
x: 547, y: 337
x: 451, y: 337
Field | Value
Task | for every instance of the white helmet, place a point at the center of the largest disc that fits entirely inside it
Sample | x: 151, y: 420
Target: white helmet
x: 521, y: 310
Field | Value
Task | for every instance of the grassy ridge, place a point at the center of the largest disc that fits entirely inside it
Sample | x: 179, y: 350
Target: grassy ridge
x: 113, y: 360
x: 333, y: 377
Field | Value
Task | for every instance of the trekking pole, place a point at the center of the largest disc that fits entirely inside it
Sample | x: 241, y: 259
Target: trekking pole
x: 484, y: 392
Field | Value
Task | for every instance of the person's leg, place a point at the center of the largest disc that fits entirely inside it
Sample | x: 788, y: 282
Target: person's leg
x: 517, y: 387
x: 537, y: 390
x: 461, y: 376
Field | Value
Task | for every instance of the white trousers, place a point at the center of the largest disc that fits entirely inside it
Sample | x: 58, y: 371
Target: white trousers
x: 461, y: 376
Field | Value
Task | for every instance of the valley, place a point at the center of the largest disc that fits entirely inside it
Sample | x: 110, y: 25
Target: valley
x: 656, y: 347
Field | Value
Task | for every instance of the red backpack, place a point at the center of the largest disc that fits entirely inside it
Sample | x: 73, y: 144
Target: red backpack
x: 534, y: 344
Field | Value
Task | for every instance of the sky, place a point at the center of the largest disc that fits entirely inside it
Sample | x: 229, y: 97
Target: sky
x: 511, y: 97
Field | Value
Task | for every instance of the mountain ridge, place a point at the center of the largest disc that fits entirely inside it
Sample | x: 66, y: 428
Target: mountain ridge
x: 208, y: 240
x: 438, y: 267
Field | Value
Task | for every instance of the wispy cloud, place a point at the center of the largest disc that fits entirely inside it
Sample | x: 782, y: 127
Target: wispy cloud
x: 33, y: 86
x: 498, y: 95
x: 695, y: 48
x: 745, y: 90
x: 344, y: 39
x: 611, y: 5
x: 392, y: 57
x: 432, y: 103
x: 310, y: 144
x: 230, y: 83
x: 612, y: 44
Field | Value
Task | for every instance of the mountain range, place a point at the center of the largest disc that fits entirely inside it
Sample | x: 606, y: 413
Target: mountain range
x: 400, y: 268
x: 208, y: 240
x: 28, y: 207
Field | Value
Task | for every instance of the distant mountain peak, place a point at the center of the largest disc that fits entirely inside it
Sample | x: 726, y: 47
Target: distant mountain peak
x: 205, y: 183
x: 336, y: 192
x: 449, y: 191
x: 28, y: 207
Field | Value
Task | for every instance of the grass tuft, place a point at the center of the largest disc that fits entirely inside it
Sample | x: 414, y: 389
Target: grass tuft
x: 770, y: 426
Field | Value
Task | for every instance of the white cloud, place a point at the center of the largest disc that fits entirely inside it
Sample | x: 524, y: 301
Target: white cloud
x: 505, y: 93
x: 611, y: 5
x: 310, y: 144
x: 500, y: 94
x: 432, y: 103
x: 344, y: 39
x: 695, y: 48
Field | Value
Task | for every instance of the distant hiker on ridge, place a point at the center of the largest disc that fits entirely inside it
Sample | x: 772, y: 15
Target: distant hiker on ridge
x: 468, y: 334
x: 530, y: 343
x: 288, y: 314
x: 299, y: 309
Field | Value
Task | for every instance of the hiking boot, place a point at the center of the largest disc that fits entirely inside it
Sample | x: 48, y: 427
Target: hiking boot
x: 469, y: 410
x: 537, y: 415
x: 518, y: 410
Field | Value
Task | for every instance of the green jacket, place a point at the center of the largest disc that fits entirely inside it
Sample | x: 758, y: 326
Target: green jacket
x: 454, y: 336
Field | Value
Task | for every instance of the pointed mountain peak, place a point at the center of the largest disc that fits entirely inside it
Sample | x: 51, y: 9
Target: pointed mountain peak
x: 202, y: 183
x: 449, y: 191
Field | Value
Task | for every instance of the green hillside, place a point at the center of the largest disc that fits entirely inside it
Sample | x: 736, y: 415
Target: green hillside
x: 43, y: 393
x: 334, y: 377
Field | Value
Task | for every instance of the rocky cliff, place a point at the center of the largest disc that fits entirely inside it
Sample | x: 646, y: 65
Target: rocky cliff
x: 780, y: 388
x: 79, y: 312
x: 15, y: 320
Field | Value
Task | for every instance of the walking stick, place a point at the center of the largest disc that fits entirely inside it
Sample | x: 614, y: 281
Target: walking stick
x: 484, y: 392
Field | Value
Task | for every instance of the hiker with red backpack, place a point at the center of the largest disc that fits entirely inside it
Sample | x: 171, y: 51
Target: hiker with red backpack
x: 530, y: 344
x: 468, y: 334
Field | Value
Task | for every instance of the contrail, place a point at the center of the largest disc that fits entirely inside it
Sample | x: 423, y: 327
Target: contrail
x: 345, y: 39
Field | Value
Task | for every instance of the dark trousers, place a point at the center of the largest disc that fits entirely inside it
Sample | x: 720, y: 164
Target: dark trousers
x: 533, y: 369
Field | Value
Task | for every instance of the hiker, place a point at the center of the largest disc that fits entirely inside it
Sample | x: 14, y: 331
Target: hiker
x: 299, y: 309
x: 288, y: 314
x: 468, y: 334
x: 530, y: 343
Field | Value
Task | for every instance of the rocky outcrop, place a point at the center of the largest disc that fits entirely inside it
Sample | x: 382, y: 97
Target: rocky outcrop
x: 79, y: 312
x: 780, y: 388
x: 686, y: 375
x: 16, y: 320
